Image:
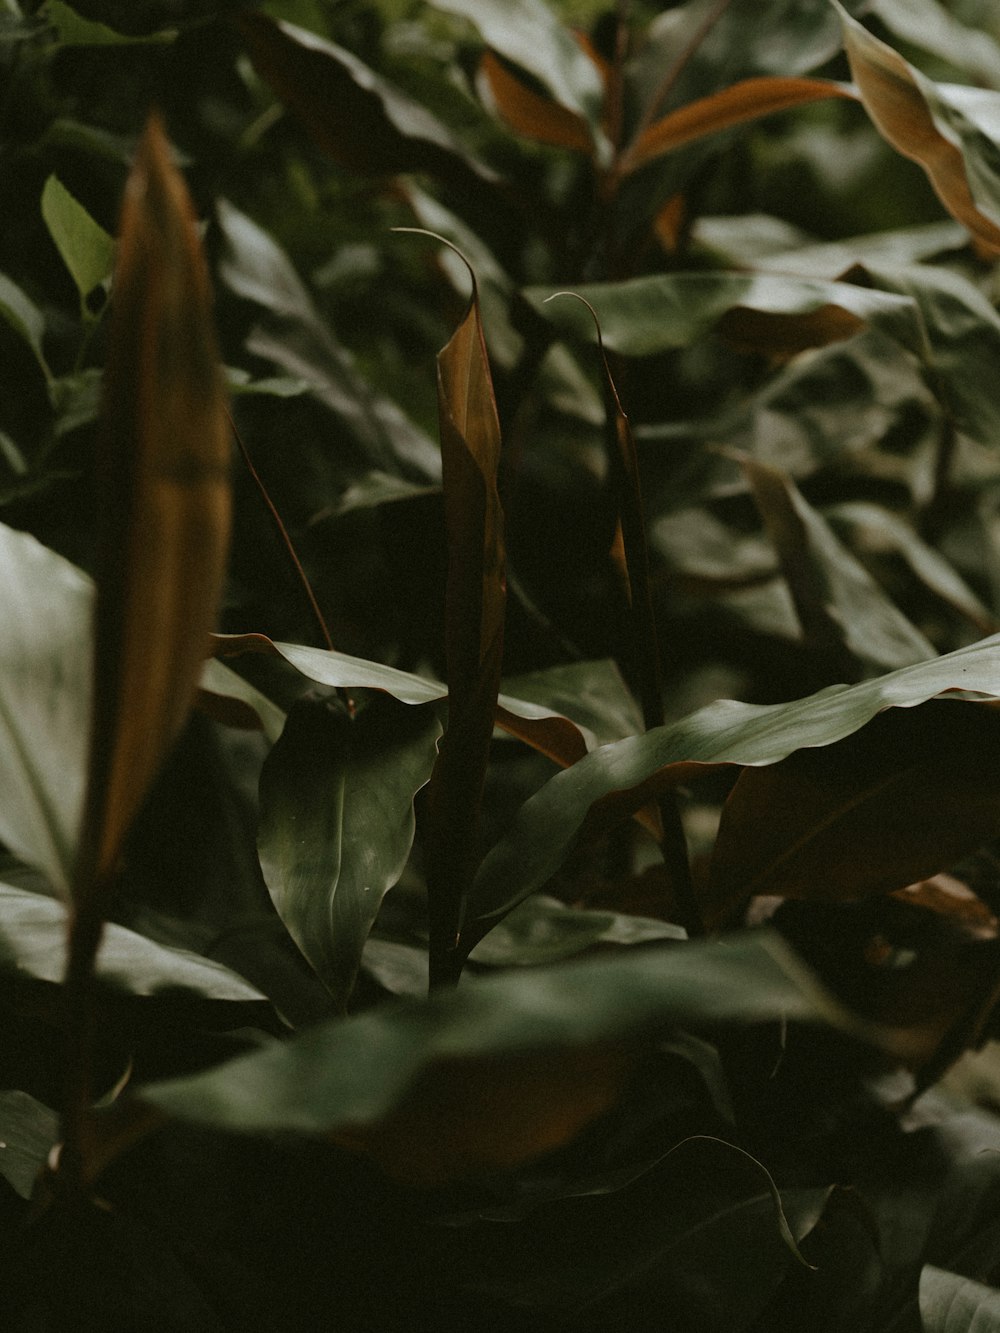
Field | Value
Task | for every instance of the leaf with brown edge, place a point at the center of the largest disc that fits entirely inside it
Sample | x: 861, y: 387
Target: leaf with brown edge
x: 900, y: 800
x: 360, y: 119
x: 164, y: 490
x: 751, y: 99
x: 475, y: 604
x: 532, y: 114
x: 915, y: 117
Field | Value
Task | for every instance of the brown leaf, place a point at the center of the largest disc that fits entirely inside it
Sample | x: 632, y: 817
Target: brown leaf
x: 899, y: 801
x: 164, y: 488
x: 531, y: 113
x: 896, y: 98
x: 748, y: 100
x: 467, y: 1117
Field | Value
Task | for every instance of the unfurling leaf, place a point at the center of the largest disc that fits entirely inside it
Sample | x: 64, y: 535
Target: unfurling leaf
x: 915, y: 117
x: 164, y: 489
x: 475, y: 604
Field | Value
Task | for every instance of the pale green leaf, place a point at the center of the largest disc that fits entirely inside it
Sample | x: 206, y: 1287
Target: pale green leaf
x: 86, y: 248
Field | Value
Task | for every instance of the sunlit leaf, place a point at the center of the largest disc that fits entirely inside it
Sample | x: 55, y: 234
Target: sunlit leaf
x: 916, y: 118
x: 950, y: 1303
x: 86, y: 248
x: 838, y: 603
x: 621, y: 778
x: 501, y: 1068
x: 903, y: 798
x: 337, y: 823
x: 165, y: 494
x: 529, y: 113
x: 741, y: 102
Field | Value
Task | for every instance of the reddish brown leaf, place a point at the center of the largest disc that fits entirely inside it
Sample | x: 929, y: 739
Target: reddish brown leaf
x: 531, y: 113
x: 749, y: 100
x: 164, y: 487
x: 898, y: 801
x: 900, y: 104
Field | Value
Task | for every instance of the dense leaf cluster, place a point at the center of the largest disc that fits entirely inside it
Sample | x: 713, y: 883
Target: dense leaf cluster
x: 563, y: 891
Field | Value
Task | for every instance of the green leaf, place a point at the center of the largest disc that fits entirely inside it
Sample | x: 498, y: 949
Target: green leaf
x: 530, y: 35
x: 928, y: 25
x: 337, y: 823
x: 72, y: 30
x: 33, y: 944
x: 662, y: 311
x: 950, y: 1303
x: 86, y: 248
x: 358, y: 1072
x: 627, y: 774
x: 45, y: 690
x: 24, y: 317
x: 543, y: 930
x: 28, y: 1132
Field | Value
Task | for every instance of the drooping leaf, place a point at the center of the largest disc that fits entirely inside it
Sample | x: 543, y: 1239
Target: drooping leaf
x: 24, y: 317
x: 621, y: 778
x: 741, y: 102
x: 839, y: 604
x: 360, y: 119
x: 950, y: 1303
x: 165, y: 495
x: 86, y: 248
x: 915, y: 117
x: 33, y: 944
x: 527, y: 112
x: 903, y: 798
x: 500, y: 1069
x: 662, y: 311
x: 528, y: 33
x: 337, y: 823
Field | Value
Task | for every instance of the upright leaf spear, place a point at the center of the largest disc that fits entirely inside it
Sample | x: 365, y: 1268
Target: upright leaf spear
x: 163, y: 530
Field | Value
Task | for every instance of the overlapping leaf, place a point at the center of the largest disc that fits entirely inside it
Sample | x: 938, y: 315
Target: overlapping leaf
x: 529, y: 113
x: 905, y: 797
x: 500, y: 1069
x: 618, y: 779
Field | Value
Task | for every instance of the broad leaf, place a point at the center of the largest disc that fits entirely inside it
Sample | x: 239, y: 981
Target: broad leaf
x: 903, y: 798
x: 86, y: 248
x: 929, y: 25
x: 663, y: 311
x: 28, y: 1132
x: 915, y: 117
x: 33, y: 944
x: 45, y: 689
x: 500, y: 1069
x: 950, y: 1303
x: 619, y: 779
x: 75, y: 30
x: 529, y: 113
x: 544, y: 930
x: 165, y: 494
x: 337, y: 823
x: 529, y: 34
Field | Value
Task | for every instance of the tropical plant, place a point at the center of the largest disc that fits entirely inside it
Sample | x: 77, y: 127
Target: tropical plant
x: 517, y: 851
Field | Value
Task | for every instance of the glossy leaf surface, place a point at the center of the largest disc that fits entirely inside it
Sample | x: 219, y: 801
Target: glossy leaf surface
x: 337, y: 823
